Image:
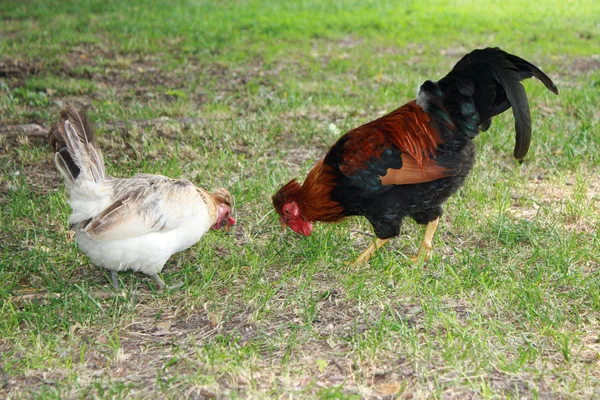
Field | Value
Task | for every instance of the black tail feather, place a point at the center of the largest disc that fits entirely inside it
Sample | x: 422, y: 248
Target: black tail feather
x: 67, y: 164
x: 490, y: 79
x: 528, y: 70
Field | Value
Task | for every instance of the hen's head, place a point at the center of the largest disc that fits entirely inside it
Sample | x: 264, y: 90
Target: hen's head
x: 286, y: 202
x: 224, y: 206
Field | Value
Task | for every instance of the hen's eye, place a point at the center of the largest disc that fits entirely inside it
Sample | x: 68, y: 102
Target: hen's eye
x: 287, y: 210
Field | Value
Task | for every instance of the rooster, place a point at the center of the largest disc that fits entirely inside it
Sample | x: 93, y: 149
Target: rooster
x: 410, y: 161
x: 135, y: 223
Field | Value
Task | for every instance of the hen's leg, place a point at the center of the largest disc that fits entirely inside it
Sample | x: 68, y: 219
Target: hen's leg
x: 115, y: 279
x: 425, y: 250
x: 364, y: 257
x: 157, y: 280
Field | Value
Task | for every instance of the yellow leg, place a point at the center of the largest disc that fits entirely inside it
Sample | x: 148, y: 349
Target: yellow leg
x: 369, y: 251
x: 425, y: 250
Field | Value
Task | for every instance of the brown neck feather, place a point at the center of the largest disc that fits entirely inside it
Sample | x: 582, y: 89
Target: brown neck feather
x: 315, y: 197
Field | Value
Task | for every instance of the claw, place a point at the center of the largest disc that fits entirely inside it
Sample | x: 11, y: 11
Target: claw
x: 363, y: 258
x: 423, y: 255
x: 173, y: 287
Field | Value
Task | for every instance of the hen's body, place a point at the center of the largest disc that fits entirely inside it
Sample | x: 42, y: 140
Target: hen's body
x: 136, y: 223
x: 407, y: 163
x: 181, y: 217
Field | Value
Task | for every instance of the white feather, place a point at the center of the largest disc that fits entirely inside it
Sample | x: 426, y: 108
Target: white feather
x: 128, y: 224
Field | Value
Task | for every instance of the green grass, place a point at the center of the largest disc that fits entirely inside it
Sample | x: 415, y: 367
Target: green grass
x: 509, y: 306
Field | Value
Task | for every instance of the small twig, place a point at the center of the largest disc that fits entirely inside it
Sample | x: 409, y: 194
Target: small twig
x: 23, y: 298
x: 112, y: 126
x: 36, y: 130
x: 19, y: 300
x: 27, y: 129
x: 339, y: 366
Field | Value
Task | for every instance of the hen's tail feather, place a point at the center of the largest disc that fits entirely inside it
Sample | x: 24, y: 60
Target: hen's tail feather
x: 527, y: 70
x: 64, y: 163
x: 79, y: 159
x: 510, y: 80
x: 485, y: 83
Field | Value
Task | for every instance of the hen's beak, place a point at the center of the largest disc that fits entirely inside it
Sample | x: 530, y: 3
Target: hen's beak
x: 228, y: 223
x: 283, y: 224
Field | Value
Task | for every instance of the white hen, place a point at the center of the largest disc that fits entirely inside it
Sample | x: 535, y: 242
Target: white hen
x: 130, y: 224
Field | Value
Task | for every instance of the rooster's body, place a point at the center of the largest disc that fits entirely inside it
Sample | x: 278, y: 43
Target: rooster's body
x: 135, y: 223
x: 407, y: 163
